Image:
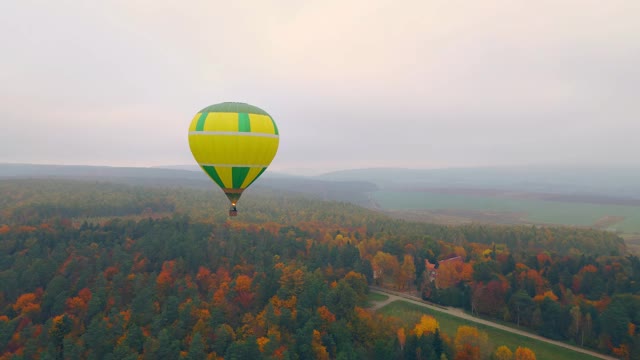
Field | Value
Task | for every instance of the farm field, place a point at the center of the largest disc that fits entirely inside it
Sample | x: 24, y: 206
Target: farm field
x: 620, y: 218
x: 410, y: 314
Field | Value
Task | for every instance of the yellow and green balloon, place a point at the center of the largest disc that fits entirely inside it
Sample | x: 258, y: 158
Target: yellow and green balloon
x: 233, y: 143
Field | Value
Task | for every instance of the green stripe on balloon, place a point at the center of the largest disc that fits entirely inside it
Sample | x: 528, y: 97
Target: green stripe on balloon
x: 257, y: 176
x: 211, y: 171
x: 244, y: 125
x: 201, y: 120
x: 275, y: 128
x: 238, y: 175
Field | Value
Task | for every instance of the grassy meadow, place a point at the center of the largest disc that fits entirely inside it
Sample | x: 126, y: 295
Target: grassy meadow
x: 376, y: 297
x: 410, y: 314
x: 373, y: 298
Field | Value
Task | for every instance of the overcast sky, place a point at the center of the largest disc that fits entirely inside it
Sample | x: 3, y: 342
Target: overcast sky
x: 350, y: 84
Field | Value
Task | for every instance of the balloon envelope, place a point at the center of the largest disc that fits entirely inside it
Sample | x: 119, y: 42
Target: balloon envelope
x: 233, y: 143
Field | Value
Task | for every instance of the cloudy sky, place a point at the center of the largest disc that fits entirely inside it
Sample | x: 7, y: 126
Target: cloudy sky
x: 350, y: 84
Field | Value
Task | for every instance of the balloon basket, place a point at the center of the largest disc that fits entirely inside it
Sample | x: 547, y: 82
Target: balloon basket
x: 233, y: 212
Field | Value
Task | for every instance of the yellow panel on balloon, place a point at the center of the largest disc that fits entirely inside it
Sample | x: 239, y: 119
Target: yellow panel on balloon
x: 221, y: 122
x: 225, y: 175
x: 261, y: 124
x: 194, y: 122
x: 251, y: 175
x: 233, y: 149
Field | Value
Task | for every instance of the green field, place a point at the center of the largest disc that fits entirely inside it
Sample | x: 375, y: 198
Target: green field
x: 537, y: 211
x: 377, y: 297
x: 373, y: 298
x: 410, y: 314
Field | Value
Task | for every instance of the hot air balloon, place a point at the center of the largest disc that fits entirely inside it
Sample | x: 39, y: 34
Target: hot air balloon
x: 233, y: 143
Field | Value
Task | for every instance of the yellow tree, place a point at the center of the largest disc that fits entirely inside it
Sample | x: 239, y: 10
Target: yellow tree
x: 319, y: 350
x: 503, y: 353
x: 292, y: 278
x: 428, y: 324
x: 547, y: 294
x: 523, y: 353
x: 470, y: 343
x: 384, y: 265
x: 407, y: 272
x: 262, y: 342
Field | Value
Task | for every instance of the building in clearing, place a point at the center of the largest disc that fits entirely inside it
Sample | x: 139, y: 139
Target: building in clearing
x: 432, y: 269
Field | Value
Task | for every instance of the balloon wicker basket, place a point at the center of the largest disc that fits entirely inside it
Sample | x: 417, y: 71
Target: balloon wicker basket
x: 233, y: 212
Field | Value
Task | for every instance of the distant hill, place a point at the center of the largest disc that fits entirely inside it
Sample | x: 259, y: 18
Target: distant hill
x: 126, y: 175
x: 37, y: 170
x: 613, y: 181
x: 604, y: 198
x: 180, y: 176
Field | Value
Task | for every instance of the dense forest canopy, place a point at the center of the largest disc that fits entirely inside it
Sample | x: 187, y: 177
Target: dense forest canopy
x: 98, y: 270
x: 34, y: 200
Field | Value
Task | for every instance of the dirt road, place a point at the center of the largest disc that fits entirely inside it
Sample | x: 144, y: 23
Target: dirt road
x: 393, y: 296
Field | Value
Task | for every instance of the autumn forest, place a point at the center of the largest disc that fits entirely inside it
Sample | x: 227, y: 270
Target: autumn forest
x: 96, y: 270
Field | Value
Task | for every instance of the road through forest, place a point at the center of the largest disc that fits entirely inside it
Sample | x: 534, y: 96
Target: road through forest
x: 394, y: 295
